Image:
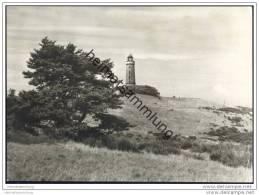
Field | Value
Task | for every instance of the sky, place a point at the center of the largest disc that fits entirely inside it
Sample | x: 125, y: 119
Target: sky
x: 184, y: 51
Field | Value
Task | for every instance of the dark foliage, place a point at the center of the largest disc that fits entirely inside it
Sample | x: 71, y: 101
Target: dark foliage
x: 27, y: 138
x: 226, y: 133
x: 114, y: 123
x: 112, y: 143
x: 235, y: 119
x: 12, y: 104
x: 226, y: 155
x: 147, y: 90
x: 67, y: 88
x: 207, y: 108
x: 239, y: 110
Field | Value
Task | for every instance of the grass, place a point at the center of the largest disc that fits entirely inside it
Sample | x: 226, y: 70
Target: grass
x: 185, y: 118
x: 229, y: 154
x: 232, y: 155
x: 226, y: 133
x: 133, y: 143
x: 239, y: 110
x: 226, y: 153
x: 27, y: 138
x: 159, y: 148
x: 110, y: 142
x: 235, y: 119
x: 78, y: 162
x: 136, y: 153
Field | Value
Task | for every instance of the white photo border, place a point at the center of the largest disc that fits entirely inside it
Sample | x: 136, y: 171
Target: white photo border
x: 133, y: 185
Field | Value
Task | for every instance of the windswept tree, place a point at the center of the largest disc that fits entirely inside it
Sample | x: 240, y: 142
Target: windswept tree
x: 67, y: 86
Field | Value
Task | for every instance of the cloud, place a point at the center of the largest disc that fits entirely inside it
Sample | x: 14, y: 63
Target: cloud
x: 204, y: 51
x: 163, y: 56
x: 220, y: 90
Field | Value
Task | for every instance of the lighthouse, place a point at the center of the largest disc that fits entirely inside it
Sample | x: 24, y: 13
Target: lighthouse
x: 130, y: 73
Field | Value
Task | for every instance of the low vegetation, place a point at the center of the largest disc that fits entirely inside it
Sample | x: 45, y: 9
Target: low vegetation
x: 232, y: 155
x: 226, y: 133
x: 235, y: 119
x: 238, y: 110
x: 227, y: 153
x: 78, y: 162
x: 147, y: 90
x: 49, y: 138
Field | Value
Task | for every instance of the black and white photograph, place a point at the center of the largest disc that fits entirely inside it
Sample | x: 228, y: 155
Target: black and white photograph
x: 129, y: 94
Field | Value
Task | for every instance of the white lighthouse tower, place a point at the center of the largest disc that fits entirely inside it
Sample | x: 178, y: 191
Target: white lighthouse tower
x: 130, y: 73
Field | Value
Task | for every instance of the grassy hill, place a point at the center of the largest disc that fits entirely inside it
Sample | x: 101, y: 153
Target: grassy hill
x: 78, y: 162
x: 187, y: 116
x: 210, y: 144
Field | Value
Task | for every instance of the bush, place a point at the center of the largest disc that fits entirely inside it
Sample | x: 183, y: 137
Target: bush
x: 160, y: 147
x: 105, y: 141
x: 27, y: 138
x: 186, y: 145
x: 125, y: 145
x: 147, y: 90
x: 231, y: 156
x: 12, y: 105
x: 200, y: 148
x: 239, y: 110
x: 231, y: 134
x: 118, y: 144
x: 151, y: 148
x: 235, y: 119
x: 172, y: 150
x: 206, y: 108
x: 109, y: 142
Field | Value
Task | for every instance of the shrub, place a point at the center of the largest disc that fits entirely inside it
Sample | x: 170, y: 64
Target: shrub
x: 172, y: 150
x: 198, y: 157
x: 231, y: 156
x: 186, y: 145
x: 27, y: 138
x: 200, y: 148
x: 206, y: 108
x: 129, y: 135
x: 151, y: 148
x: 239, y: 110
x: 93, y: 142
x: 147, y: 90
x: 125, y: 145
x: 235, y: 119
x: 105, y: 141
x: 109, y: 142
x: 231, y: 134
x: 160, y: 147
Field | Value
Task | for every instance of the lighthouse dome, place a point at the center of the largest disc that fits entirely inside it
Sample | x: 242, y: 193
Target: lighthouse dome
x: 130, y: 57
